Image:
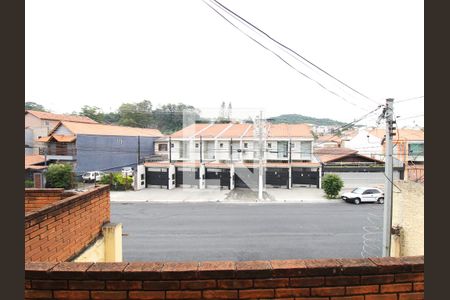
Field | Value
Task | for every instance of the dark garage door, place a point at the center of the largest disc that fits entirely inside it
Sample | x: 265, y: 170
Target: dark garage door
x: 156, y: 176
x: 218, y: 177
x: 277, y: 176
x: 187, y: 176
x: 246, y: 179
x: 305, y: 176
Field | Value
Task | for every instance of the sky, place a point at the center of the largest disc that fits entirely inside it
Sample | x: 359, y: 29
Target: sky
x: 104, y: 53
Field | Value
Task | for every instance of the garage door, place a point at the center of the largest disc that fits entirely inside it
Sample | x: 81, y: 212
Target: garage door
x: 277, y: 177
x: 356, y: 179
x: 187, y: 176
x: 218, y: 177
x: 157, y: 176
x: 247, y: 178
x: 305, y: 176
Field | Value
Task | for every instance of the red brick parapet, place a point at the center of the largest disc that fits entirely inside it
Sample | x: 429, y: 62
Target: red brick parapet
x: 332, y: 279
x: 62, y: 228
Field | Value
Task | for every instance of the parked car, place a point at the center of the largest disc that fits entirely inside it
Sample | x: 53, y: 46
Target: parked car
x: 93, y: 176
x: 127, y: 171
x: 364, y: 194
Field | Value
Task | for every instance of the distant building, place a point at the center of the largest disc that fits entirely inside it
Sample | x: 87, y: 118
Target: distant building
x: 408, y: 148
x: 98, y: 147
x: 39, y: 124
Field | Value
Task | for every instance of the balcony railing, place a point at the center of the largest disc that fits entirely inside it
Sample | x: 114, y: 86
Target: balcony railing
x: 58, y: 151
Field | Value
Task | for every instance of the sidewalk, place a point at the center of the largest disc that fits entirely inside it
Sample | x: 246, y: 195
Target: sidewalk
x: 193, y: 195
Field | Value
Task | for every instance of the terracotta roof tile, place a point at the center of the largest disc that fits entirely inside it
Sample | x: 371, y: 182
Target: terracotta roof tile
x: 101, y: 129
x: 402, y: 134
x: 189, y: 131
x: 60, y: 117
x: 213, y: 130
x: 33, y: 159
x: 235, y: 131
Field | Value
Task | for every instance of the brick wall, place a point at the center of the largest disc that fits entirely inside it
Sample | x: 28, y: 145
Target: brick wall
x: 37, y: 198
x: 61, y: 230
x: 331, y: 279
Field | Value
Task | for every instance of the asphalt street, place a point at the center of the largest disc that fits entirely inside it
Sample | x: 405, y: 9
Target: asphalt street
x: 223, y: 231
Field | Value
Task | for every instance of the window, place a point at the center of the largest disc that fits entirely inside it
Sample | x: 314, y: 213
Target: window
x: 162, y: 147
x: 368, y: 192
x: 416, y: 149
x: 221, y: 145
x: 196, y: 145
x: 269, y: 145
x: 245, y: 145
x: 172, y: 145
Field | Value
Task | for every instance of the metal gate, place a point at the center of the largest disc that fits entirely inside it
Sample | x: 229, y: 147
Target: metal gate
x: 277, y: 177
x: 157, y: 176
x: 251, y: 178
x: 187, y: 176
x: 218, y: 177
x: 305, y: 176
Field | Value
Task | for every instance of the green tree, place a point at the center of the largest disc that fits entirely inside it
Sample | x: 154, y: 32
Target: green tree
x: 173, y: 117
x: 332, y: 185
x: 93, y: 112
x: 111, y: 118
x: 136, y: 114
x: 59, y: 176
x: 34, y: 106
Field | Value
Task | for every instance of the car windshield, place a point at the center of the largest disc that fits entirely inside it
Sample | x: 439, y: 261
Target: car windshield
x: 358, y: 190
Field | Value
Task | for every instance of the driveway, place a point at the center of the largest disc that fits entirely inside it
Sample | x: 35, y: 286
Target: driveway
x: 157, y: 195
x: 224, y: 231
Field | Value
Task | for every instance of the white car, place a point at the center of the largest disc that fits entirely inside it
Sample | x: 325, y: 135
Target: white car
x: 93, y: 176
x: 364, y: 194
x: 127, y: 171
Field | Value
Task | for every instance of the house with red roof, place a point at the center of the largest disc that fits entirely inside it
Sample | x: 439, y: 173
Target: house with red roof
x: 39, y: 124
x: 98, y: 147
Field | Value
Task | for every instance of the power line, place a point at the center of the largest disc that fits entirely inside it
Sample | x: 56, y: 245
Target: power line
x: 409, y: 99
x: 238, y: 17
x: 277, y: 55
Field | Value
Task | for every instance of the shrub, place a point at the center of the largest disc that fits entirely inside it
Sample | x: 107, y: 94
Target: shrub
x: 117, y: 182
x: 332, y: 185
x: 29, y: 183
x: 60, y: 176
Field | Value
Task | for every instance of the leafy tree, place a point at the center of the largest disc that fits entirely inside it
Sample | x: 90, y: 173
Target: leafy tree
x: 332, y: 185
x: 34, y: 106
x: 111, y: 118
x: 93, y: 112
x: 173, y: 117
x: 59, y: 176
x: 136, y: 114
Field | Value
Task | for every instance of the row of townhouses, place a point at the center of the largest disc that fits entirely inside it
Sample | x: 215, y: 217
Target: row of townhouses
x: 238, y: 143
x: 218, y: 152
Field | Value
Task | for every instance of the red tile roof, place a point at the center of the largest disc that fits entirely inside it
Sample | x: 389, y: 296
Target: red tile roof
x: 402, y: 134
x: 101, y: 129
x: 237, y: 130
x: 31, y: 160
x: 189, y: 131
x: 60, y: 117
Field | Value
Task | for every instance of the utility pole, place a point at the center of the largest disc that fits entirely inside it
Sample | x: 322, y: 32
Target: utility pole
x: 231, y: 150
x: 387, y: 220
x: 139, y: 150
x: 170, y: 149
x: 261, y: 153
x: 201, y: 160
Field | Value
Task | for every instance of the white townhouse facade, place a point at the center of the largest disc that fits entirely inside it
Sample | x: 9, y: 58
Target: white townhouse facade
x: 238, y: 143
